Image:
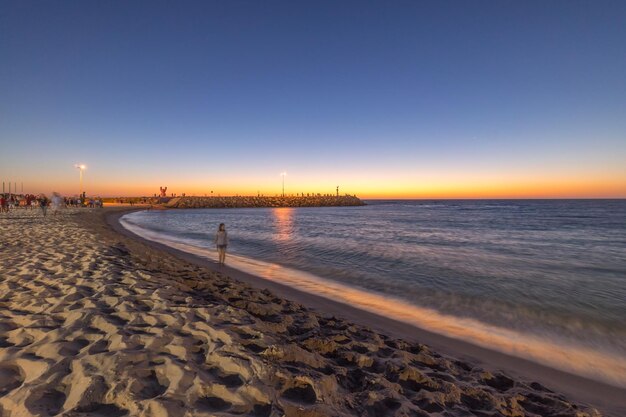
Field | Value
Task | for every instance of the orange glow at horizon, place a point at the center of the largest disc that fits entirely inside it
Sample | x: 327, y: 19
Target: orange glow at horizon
x: 549, y: 190
x: 368, y: 186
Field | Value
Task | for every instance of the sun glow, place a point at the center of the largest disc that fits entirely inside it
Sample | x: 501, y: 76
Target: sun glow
x: 365, y: 184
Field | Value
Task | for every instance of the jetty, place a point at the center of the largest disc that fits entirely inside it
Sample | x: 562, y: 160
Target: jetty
x: 251, y: 201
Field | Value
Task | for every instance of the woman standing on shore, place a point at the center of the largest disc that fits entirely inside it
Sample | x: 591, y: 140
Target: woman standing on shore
x: 221, y: 240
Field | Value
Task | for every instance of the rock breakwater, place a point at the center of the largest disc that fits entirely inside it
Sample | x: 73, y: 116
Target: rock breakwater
x: 250, y: 201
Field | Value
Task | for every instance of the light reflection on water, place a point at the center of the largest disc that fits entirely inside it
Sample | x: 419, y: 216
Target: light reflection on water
x: 552, y: 271
x: 283, y: 222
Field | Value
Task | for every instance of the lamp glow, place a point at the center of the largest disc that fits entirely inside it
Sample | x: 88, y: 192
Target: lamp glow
x: 81, y: 168
x: 283, y: 174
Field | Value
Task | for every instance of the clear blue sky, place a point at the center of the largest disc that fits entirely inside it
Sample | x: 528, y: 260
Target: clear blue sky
x: 228, y: 94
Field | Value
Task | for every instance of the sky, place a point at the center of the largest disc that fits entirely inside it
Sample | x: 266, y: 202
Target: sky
x: 385, y: 99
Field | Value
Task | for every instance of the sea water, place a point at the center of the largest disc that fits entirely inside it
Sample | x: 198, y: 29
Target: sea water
x: 540, y: 279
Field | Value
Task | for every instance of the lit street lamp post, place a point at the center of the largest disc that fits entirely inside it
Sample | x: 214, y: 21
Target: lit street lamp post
x: 283, y: 174
x: 81, y: 168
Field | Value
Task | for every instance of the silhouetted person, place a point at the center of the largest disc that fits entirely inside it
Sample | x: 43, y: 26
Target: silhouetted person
x: 43, y: 204
x: 221, y: 241
x: 57, y: 202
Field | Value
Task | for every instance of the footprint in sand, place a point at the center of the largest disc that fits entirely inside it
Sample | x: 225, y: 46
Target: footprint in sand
x: 75, y: 306
x: 148, y: 386
x: 11, y: 377
x: 85, y: 290
x: 46, y: 402
x: 212, y: 404
x: 62, y: 349
x: 7, y: 326
x: 304, y: 394
x: 73, y: 347
x: 101, y: 346
x: 4, y: 343
x: 31, y: 366
x: 229, y: 380
x: 75, y: 296
x: 98, y: 410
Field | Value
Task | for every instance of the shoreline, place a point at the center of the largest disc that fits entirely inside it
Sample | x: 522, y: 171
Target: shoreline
x: 94, y: 321
x: 610, y: 399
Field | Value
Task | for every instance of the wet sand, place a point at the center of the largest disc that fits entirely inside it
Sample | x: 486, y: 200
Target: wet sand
x: 95, y: 321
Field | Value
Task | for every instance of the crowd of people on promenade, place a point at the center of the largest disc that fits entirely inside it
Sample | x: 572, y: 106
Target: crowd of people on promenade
x: 10, y: 202
x: 136, y: 200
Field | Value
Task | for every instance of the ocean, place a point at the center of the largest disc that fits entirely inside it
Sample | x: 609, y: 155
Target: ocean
x: 540, y: 279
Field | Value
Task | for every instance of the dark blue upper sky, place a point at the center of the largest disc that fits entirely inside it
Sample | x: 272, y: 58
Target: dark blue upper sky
x: 328, y: 90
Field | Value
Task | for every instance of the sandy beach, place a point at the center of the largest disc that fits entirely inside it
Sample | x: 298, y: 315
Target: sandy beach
x: 94, y: 322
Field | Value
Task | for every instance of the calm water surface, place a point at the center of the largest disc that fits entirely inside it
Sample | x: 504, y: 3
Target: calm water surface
x: 550, y: 268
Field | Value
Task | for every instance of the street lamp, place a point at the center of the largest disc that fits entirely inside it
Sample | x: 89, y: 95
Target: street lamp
x: 81, y: 168
x: 283, y: 174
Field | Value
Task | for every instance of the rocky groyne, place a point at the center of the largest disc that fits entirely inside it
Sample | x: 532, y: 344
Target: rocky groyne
x: 250, y: 201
